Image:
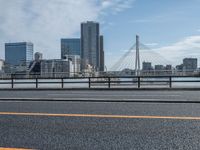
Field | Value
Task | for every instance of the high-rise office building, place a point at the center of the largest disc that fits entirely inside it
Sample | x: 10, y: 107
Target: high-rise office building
x: 190, y: 64
x: 90, y: 45
x: 102, y: 54
x: 18, y: 53
x: 70, y: 47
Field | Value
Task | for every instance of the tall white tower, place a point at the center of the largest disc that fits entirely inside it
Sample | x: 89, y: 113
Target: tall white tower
x: 137, y: 59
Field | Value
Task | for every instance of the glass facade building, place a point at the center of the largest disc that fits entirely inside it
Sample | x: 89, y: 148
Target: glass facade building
x: 18, y: 53
x: 90, y: 45
x: 70, y: 47
x: 102, y: 63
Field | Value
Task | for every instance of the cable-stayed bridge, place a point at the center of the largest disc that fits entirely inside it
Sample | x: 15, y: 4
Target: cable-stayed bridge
x: 136, y: 55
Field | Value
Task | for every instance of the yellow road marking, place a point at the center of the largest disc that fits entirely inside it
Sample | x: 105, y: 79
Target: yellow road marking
x: 2, y: 148
x: 100, y: 116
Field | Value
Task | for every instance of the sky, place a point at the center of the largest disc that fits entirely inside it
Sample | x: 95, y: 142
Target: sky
x: 168, y: 27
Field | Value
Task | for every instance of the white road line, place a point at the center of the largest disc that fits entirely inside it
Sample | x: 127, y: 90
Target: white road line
x: 10, y: 101
x: 84, y: 94
x: 125, y: 92
x: 91, y: 99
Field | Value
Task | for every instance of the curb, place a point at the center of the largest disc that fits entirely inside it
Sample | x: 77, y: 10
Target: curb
x: 96, y: 100
x: 101, y: 89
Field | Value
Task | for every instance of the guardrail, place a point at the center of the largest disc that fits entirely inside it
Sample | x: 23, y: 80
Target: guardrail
x: 101, y: 82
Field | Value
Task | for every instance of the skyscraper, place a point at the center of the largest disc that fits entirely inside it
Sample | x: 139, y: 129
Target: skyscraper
x: 102, y: 53
x: 18, y: 53
x: 70, y: 47
x: 90, y: 45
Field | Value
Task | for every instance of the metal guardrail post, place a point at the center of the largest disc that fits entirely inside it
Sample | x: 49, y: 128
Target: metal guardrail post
x: 138, y: 82
x: 62, y: 83
x: 36, y: 82
x: 89, y: 83
x: 109, y: 82
x: 170, y: 82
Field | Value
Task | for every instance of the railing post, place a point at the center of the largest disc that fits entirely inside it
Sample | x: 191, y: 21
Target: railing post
x: 109, y: 82
x: 89, y: 82
x: 62, y: 83
x: 170, y: 82
x: 138, y: 82
x: 36, y: 82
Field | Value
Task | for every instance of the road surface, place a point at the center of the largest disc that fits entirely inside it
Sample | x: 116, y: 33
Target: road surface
x: 44, y: 123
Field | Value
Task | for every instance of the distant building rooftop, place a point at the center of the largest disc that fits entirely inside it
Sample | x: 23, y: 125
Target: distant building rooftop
x: 90, y: 22
x: 18, y: 43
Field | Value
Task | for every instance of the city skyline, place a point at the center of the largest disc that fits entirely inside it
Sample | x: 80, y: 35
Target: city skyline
x: 172, y: 29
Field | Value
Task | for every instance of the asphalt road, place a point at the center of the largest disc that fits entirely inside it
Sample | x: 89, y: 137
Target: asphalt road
x: 92, y: 125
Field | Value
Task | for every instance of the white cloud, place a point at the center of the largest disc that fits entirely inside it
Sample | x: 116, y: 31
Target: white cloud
x: 116, y: 5
x: 141, y: 20
x: 187, y: 47
x: 44, y: 22
x: 151, y: 44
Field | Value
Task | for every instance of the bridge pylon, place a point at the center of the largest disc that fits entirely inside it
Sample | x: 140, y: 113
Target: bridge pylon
x: 137, y: 59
